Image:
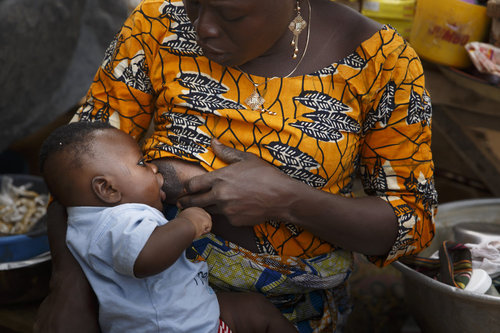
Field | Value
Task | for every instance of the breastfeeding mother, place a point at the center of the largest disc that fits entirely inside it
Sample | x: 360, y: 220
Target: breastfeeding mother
x: 303, y: 98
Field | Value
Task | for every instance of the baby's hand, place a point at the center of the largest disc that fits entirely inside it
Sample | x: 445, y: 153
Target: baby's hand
x: 199, y: 218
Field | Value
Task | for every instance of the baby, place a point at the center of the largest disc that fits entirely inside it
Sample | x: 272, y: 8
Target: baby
x: 133, y: 257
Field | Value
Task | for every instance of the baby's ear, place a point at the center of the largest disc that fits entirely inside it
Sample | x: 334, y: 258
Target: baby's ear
x: 104, y: 189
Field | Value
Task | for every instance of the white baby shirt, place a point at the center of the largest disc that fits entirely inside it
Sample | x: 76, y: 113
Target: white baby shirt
x: 106, y: 242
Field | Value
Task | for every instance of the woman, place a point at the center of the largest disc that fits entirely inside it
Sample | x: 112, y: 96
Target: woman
x: 302, y: 96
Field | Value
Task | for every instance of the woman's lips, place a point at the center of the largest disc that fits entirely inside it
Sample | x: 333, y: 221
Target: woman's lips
x: 211, y: 50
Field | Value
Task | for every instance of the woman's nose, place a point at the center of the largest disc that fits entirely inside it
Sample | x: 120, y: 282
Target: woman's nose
x: 206, y: 25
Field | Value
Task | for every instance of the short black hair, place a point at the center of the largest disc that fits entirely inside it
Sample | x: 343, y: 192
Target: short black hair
x: 74, y: 136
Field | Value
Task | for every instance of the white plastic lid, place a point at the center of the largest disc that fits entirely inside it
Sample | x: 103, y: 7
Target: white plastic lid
x: 479, y: 282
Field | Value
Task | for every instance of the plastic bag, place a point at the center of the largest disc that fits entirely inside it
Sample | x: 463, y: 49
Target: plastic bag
x: 485, y: 57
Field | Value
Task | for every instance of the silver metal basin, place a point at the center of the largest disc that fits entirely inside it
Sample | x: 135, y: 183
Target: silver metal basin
x: 25, y: 281
x: 438, y: 307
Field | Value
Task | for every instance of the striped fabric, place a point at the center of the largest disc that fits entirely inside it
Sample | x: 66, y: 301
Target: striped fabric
x: 454, y: 266
x: 223, y: 328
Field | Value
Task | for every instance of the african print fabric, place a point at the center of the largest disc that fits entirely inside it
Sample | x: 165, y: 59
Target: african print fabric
x: 309, y: 292
x: 366, y: 116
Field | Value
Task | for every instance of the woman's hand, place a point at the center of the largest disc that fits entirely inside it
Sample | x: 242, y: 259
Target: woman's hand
x: 248, y: 191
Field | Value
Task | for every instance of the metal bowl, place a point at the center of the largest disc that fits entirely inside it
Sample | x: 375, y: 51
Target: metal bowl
x: 25, y: 281
x: 438, y: 307
x: 476, y: 232
x: 35, y: 241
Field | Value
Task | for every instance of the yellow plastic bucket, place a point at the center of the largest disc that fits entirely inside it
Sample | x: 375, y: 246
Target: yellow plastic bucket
x: 441, y: 28
x: 397, y: 13
x: 397, y: 9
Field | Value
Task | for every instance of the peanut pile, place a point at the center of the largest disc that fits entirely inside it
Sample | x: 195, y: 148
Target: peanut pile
x: 20, y: 208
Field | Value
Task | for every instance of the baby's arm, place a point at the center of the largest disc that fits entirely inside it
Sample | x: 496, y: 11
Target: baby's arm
x: 167, y: 242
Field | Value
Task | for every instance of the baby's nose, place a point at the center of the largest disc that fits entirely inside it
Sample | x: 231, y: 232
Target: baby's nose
x: 153, y: 167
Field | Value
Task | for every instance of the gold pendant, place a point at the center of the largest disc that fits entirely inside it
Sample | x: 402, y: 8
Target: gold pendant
x: 255, y: 100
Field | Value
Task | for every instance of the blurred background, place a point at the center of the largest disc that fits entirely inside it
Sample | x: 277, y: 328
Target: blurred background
x: 50, y: 50
x: 49, y: 53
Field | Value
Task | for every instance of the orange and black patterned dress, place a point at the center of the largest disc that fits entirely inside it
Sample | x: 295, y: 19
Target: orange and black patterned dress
x: 367, y: 116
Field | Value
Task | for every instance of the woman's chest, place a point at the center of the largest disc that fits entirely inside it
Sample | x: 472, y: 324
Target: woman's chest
x: 308, y: 126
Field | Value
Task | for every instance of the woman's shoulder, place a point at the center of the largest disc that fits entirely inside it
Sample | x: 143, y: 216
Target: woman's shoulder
x: 382, y: 43
x: 352, y: 27
x: 162, y: 24
x: 161, y: 7
x: 160, y: 15
x: 337, y: 32
x: 362, y: 37
x: 359, y: 31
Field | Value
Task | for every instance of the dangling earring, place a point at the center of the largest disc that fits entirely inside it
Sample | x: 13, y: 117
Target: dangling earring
x: 296, y: 26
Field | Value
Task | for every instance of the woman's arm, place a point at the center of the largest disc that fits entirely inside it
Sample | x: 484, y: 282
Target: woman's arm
x: 167, y: 242
x: 250, y: 191
x: 366, y: 225
x: 71, y: 305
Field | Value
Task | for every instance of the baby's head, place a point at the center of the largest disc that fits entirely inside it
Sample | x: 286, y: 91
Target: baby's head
x: 95, y: 164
